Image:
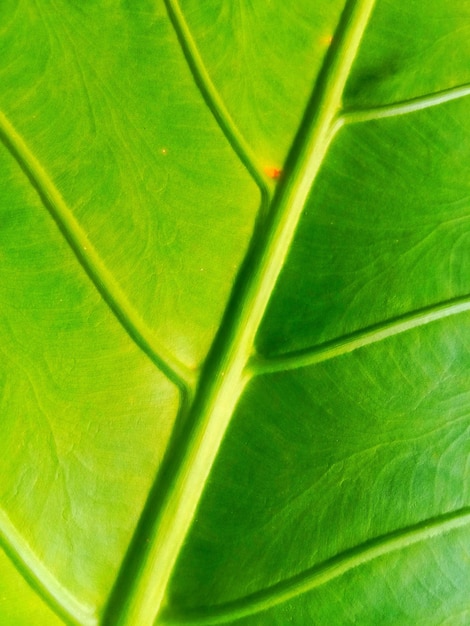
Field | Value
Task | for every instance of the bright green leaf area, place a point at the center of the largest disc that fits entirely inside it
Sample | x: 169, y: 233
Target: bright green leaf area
x: 234, y: 312
x: 18, y: 605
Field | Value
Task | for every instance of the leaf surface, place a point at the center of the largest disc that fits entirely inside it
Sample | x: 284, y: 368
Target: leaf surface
x: 235, y: 312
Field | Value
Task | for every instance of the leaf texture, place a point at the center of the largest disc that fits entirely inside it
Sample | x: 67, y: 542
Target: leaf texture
x: 235, y: 308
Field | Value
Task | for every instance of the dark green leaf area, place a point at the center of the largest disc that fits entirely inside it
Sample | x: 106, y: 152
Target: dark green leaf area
x: 320, y: 460
x: 74, y: 389
x: 409, y: 51
x: 424, y: 585
x: 386, y: 230
x: 138, y: 159
x: 253, y: 52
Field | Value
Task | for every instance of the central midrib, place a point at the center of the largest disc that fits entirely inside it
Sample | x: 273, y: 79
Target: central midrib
x: 219, y: 393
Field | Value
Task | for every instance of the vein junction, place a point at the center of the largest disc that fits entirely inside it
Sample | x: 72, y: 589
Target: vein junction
x: 360, y: 339
x: 91, y: 261
x: 224, y: 375
x: 213, y: 99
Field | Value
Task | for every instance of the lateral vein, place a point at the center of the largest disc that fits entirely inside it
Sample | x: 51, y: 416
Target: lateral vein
x: 324, y: 573
x: 359, y: 339
x: 404, y: 107
x: 91, y: 261
x: 214, y: 101
x: 224, y: 376
x: 57, y: 597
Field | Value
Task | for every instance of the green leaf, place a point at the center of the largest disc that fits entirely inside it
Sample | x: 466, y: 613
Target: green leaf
x: 235, y: 312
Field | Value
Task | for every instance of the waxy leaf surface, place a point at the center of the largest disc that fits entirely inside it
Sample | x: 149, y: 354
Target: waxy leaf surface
x: 234, y: 312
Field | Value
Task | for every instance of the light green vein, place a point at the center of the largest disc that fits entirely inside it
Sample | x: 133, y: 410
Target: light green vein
x: 360, y: 339
x: 324, y: 573
x: 40, y: 578
x: 406, y: 106
x: 214, y: 101
x: 224, y: 374
x: 91, y: 261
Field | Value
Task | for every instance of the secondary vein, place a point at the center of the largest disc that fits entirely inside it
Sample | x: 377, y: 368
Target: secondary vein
x: 359, y: 339
x: 214, y: 101
x: 406, y: 106
x: 41, y: 579
x: 224, y: 375
x: 89, y: 258
x: 324, y: 573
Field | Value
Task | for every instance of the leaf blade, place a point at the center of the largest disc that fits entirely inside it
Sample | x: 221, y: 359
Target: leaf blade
x: 212, y: 415
x: 199, y: 256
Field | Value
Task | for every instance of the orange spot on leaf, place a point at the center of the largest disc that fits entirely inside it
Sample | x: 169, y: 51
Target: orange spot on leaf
x: 272, y: 172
